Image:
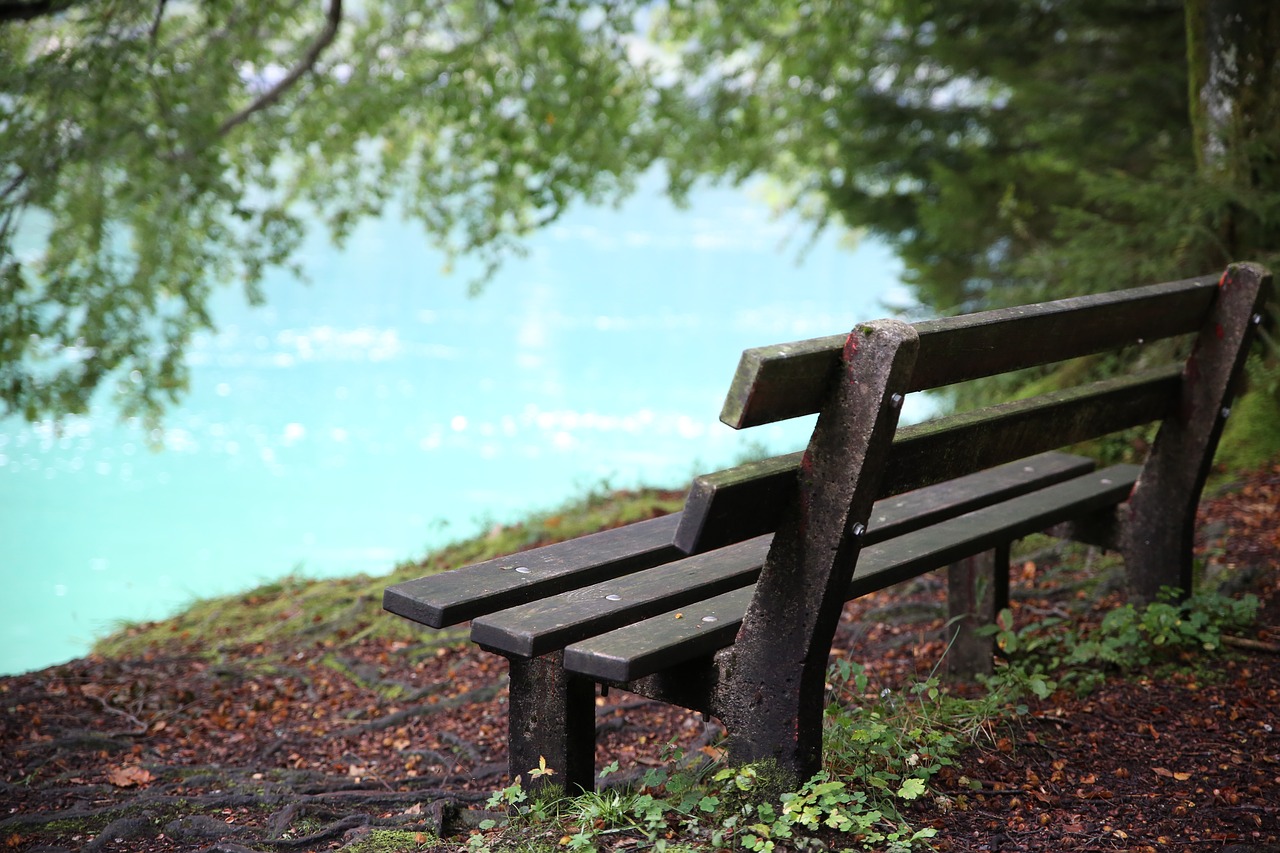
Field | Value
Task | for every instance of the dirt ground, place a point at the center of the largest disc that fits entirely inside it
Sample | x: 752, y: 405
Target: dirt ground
x: 315, y: 747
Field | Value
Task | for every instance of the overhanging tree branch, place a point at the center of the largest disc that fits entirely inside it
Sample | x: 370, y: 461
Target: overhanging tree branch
x: 333, y: 19
x: 155, y: 22
x: 26, y: 10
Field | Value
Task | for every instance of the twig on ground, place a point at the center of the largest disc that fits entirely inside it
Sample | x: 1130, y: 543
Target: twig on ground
x: 1252, y: 645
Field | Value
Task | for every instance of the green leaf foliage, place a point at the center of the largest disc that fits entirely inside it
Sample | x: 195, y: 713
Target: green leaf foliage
x: 1010, y: 151
x: 154, y: 152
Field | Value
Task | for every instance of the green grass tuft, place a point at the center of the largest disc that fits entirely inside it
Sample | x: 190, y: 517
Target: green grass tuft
x: 341, y: 611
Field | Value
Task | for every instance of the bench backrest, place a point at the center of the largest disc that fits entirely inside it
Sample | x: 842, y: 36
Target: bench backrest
x: 819, y: 501
x: 791, y: 380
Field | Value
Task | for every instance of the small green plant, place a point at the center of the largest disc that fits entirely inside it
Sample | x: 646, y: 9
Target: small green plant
x: 522, y: 809
x: 1044, y: 655
x: 1131, y: 637
x: 708, y: 806
x: 822, y: 803
x: 891, y: 744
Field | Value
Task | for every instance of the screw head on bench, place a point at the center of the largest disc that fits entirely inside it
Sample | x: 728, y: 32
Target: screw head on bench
x: 523, y: 570
x: 613, y: 596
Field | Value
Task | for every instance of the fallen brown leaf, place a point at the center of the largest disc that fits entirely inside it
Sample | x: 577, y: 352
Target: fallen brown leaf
x: 129, y: 776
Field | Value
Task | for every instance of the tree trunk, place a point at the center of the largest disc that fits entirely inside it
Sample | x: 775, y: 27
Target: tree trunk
x: 1233, y: 56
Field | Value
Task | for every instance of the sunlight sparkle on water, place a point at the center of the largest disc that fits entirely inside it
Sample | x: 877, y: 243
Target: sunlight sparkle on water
x: 342, y: 428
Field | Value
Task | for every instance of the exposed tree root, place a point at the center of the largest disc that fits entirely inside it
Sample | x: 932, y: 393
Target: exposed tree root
x: 480, y: 694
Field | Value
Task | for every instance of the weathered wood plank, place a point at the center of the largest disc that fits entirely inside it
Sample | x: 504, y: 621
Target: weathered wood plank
x: 949, y: 447
x: 944, y: 543
x: 899, y: 514
x: 470, y: 591
x: 737, y: 503
x: 748, y: 500
x: 645, y: 647
x: 785, y: 381
x: 956, y: 349
x: 552, y: 623
x: 650, y: 645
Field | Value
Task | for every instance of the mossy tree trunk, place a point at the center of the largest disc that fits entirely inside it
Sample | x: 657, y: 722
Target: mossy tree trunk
x: 1233, y: 53
x: 1233, y: 58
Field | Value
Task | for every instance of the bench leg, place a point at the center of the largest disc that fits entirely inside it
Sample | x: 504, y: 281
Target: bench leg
x: 977, y: 589
x: 552, y: 719
x: 1160, y: 527
x: 778, y: 723
x: 775, y: 684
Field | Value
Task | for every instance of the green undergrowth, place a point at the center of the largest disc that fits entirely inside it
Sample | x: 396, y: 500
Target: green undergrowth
x: 334, y: 612
x: 1052, y: 653
x: 883, y: 749
x: 1252, y: 434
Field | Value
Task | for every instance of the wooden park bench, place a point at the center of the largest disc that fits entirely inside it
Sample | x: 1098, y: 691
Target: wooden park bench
x: 729, y: 607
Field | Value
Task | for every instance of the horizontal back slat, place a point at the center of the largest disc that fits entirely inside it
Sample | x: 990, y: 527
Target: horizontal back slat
x: 789, y: 380
x: 749, y: 500
x: 956, y: 349
x: 950, y: 447
x: 737, y: 503
x: 781, y: 382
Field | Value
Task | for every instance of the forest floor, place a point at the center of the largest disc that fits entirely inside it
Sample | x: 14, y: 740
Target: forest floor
x: 385, y: 743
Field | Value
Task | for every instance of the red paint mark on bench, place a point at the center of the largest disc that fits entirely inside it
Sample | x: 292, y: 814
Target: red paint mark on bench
x: 851, y: 346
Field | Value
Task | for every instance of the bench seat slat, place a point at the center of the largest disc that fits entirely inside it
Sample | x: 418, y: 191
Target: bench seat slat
x: 645, y: 647
x: 552, y: 623
x: 900, y: 514
x: 978, y: 531
x: 747, y: 501
x: 790, y: 380
x: 544, y: 625
x: 457, y: 595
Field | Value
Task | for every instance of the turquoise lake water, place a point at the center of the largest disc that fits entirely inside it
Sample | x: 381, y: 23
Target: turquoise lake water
x: 378, y: 411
